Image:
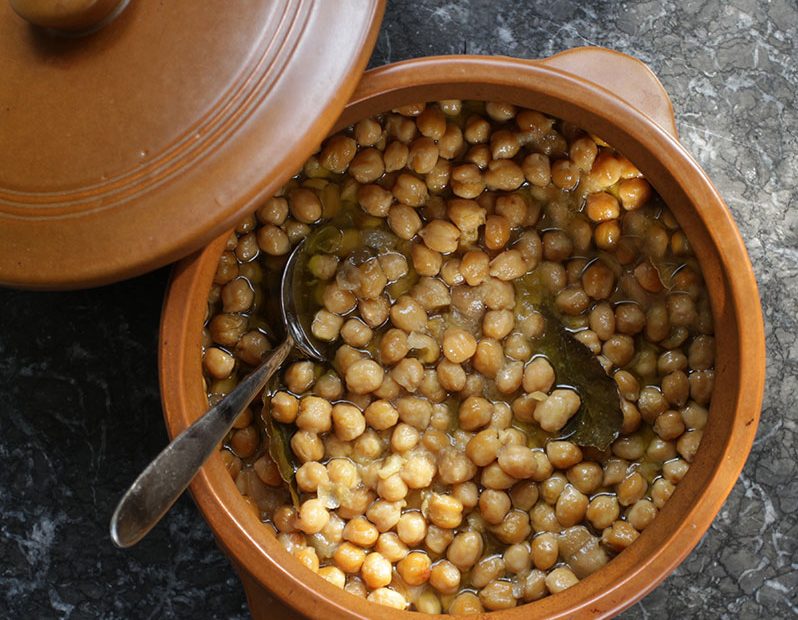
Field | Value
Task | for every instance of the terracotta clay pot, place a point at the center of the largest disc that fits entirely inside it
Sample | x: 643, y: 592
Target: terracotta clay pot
x: 619, y: 99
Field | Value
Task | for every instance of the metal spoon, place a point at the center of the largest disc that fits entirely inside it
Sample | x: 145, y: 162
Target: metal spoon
x: 167, y: 476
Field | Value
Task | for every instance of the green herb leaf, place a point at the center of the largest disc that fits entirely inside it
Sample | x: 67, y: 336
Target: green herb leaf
x: 280, y: 448
x: 599, y: 419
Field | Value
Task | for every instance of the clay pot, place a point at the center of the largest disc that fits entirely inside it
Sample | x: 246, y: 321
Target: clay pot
x: 619, y: 99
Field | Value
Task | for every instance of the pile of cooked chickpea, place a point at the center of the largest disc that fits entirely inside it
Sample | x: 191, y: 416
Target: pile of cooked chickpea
x: 430, y: 462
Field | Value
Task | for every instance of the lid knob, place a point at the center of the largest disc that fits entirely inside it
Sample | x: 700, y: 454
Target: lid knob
x: 69, y: 16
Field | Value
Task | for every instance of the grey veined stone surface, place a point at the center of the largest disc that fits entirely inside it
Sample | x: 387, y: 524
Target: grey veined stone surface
x: 79, y: 408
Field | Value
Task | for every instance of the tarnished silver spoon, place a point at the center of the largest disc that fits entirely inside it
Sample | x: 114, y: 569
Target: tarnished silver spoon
x: 167, y: 476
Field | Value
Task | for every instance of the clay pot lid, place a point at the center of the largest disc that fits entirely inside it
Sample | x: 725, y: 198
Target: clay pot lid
x: 133, y: 145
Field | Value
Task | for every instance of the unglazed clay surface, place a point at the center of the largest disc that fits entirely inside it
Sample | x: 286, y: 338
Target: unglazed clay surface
x: 78, y: 382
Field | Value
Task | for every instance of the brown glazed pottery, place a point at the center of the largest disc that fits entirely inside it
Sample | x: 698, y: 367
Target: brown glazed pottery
x: 618, y: 99
x: 123, y: 150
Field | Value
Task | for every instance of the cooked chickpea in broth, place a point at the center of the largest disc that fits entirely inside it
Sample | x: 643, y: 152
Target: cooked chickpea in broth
x: 432, y: 458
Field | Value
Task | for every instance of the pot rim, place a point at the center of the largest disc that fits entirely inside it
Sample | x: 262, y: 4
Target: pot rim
x: 532, y: 84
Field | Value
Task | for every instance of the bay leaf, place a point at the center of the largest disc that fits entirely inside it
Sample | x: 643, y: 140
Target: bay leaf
x: 280, y: 448
x: 599, y: 419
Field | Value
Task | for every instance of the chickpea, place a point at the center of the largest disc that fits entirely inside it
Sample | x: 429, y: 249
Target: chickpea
x: 389, y: 545
x: 517, y: 461
x: 488, y: 357
x: 676, y: 388
x: 313, y: 516
x: 631, y: 489
x: 641, y: 514
x: 554, y: 412
x: 661, y: 491
x: 356, y: 333
x: 552, y: 487
x: 583, y: 153
x: 483, y: 448
x: 314, y: 414
x: 326, y: 326
x: 425, y: 261
x: 244, y: 442
x: 445, y: 511
x: 477, y: 130
x: 384, y: 514
x: 619, y: 536
x: 513, y: 529
x: 404, y: 438
x: 454, y: 467
x: 466, y: 493
x: 368, y: 132
x: 414, y: 411
x: 516, y: 346
x: 368, y: 166
x: 557, y: 246
x: 360, y: 532
x: 356, y: 587
x: 565, y: 174
x: 274, y: 211
x: 486, y: 570
x: 602, y: 206
x: 381, y: 415
x: 423, y: 155
x: 537, y: 169
x: 687, y: 446
x: 497, y: 232
x: 474, y: 412
x: 561, y: 579
x: 284, y: 407
x: 524, y: 494
x: 376, y: 570
x: 494, y: 505
x: 444, y: 577
x: 465, y: 603
x: 619, y: 349
x: 218, y: 363
x: 395, y: 156
x: 403, y: 221
x: 702, y: 353
x: 465, y: 550
x: 227, y: 329
x: 451, y: 376
x: 606, y: 170
x: 337, y: 300
x: 503, y: 174
x: 364, y: 376
x: 438, y: 539
x: 543, y: 518
x: 392, y: 488
x: 545, y: 551
x: 571, y: 506
x: 349, y: 421
x: 304, y: 206
x: 440, y: 236
x: 634, y: 193
x: 467, y: 181
x: 538, y: 375
x: 418, y: 471
x: 508, y: 265
x: 307, y: 446
x: 586, y: 476
x: 415, y: 568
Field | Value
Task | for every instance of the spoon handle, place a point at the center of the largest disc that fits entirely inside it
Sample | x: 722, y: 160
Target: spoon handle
x: 168, y: 475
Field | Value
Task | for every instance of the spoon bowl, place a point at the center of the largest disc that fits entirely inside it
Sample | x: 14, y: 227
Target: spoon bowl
x: 157, y: 488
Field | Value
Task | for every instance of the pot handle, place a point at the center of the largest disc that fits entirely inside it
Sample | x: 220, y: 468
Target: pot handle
x: 69, y: 17
x: 625, y: 76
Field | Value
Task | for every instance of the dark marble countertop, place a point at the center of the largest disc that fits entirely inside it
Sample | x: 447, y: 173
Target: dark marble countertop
x: 79, y: 406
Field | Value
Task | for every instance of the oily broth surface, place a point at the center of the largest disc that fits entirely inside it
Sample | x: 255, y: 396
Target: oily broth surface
x: 433, y: 549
